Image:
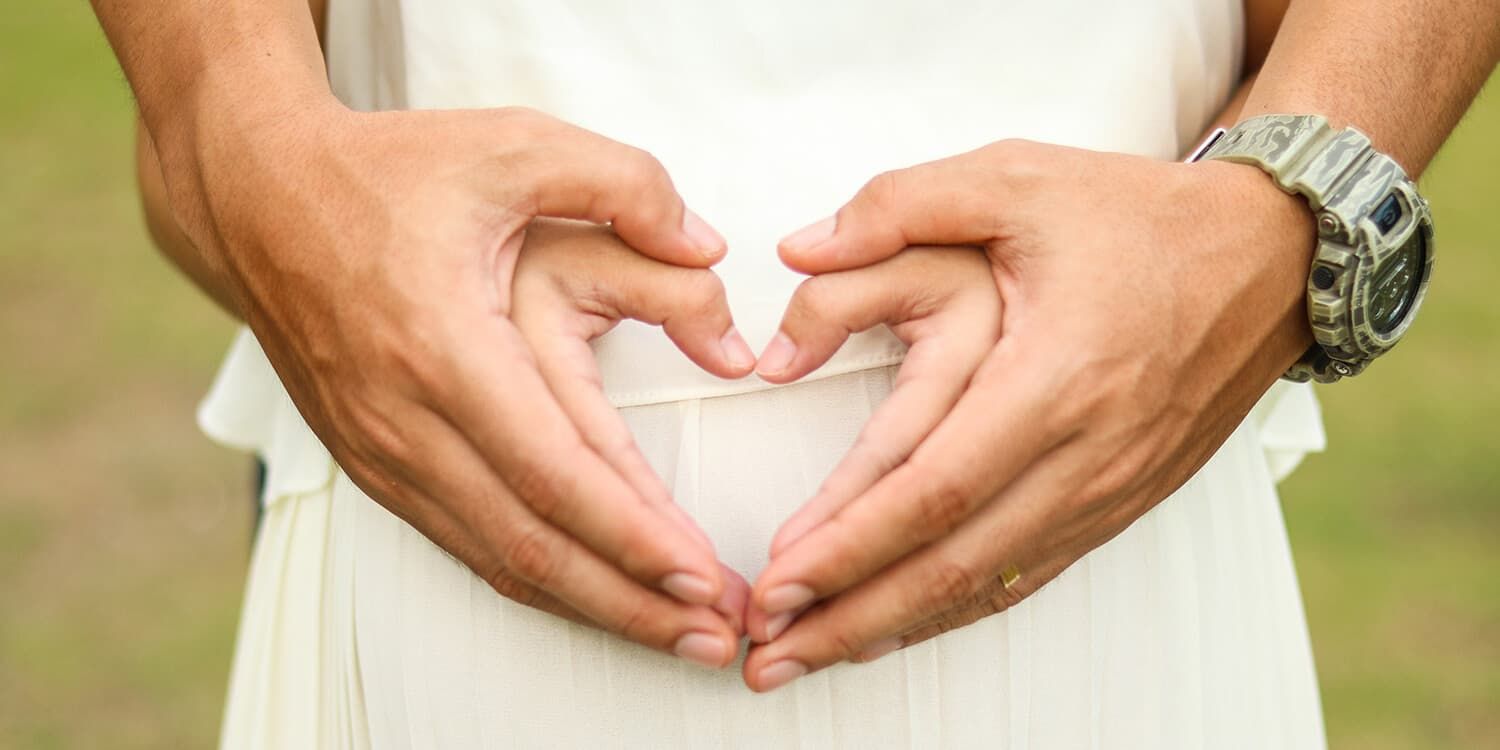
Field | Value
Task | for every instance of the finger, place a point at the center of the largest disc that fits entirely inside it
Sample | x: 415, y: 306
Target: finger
x: 732, y: 605
x: 945, y: 348
x: 505, y: 408
x: 521, y: 556
x: 952, y: 201
x: 690, y: 306
x: 438, y: 524
x: 825, y: 310
x: 870, y: 619
x: 571, y: 373
x: 997, y: 428
x: 931, y: 380
x: 578, y: 174
x: 570, y: 295
x: 764, y: 628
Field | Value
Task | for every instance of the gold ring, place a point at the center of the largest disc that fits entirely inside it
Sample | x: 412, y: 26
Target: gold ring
x: 1009, y: 576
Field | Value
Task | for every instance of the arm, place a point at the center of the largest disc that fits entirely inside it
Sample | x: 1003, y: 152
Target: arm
x: 169, y: 237
x: 1402, y: 71
x: 1084, y: 416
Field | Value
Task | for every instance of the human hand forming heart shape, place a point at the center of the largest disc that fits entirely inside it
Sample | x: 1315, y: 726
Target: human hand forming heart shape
x: 575, y: 281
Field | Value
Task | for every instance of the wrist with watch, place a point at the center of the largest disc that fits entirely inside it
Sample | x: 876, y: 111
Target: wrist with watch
x: 1374, y: 234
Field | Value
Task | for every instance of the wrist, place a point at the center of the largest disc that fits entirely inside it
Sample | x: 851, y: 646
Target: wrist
x: 1282, y: 235
x: 219, y: 137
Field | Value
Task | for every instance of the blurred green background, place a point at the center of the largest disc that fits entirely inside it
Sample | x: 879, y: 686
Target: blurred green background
x: 124, y: 533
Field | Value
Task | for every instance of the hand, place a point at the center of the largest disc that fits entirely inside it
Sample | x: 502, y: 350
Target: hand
x: 1148, y: 305
x: 574, y: 282
x: 372, y: 254
x: 943, y: 304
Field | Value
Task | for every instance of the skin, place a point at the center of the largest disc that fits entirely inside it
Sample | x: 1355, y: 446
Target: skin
x: 1084, y: 416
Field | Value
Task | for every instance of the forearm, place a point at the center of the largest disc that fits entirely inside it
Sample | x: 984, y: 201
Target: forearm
x: 194, y: 65
x: 165, y: 230
x: 1402, y: 71
x: 167, y: 233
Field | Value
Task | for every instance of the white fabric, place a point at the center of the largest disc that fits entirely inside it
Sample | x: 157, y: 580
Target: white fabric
x: 1185, y: 631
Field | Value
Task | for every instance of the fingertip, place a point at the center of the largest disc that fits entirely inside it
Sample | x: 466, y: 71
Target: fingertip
x: 808, y: 238
x: 711, y: 650
x: 693, y: 588
x: 737, y: 354
x: 777, y: 674
x: 706, y: 241
x: 775, y: 362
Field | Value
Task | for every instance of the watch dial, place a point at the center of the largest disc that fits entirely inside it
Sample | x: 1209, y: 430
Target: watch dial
x: 1396, y: 283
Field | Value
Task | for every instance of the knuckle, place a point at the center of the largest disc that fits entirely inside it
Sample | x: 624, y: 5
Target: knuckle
x: 532, y: 556
x: 512, y: 588
x: 643, y: 171
x: 882, y: 191
x: 844, y: 644
x: 948, y: 581
x: 1004, y: 599
x: 703, y: 291
x: 637, y: 622
x: 816, y: 297
x: 542, y: 490
x: 946, y: 503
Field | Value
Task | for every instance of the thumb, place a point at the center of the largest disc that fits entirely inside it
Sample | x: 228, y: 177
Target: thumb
x: 953, y: 201
x: 578, y: 174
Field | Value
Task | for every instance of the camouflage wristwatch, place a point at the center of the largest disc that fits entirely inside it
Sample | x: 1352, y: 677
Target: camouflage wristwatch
x: 1374, y: 254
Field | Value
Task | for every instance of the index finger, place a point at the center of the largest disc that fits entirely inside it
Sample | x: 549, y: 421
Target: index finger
x: 994, y: 432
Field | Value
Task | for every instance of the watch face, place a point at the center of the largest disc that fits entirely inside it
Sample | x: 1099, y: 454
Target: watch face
x: 1396, y: 282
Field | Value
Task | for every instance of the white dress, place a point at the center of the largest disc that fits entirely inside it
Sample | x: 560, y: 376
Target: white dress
x: 1185, y: 631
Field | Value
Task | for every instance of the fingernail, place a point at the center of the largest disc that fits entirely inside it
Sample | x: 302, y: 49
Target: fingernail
x: 811, y: 235
x: 879, y: 649
x: 777, y: 356
x: 780, y: 673
x: 777, y: 625
x: 693, y: 589
x: 708, y: 241
x: 787, y: 597
x: 702, y: 648
x: 737, y: 351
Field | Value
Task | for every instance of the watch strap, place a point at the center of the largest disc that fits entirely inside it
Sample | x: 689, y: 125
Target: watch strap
x: 1307, y: 157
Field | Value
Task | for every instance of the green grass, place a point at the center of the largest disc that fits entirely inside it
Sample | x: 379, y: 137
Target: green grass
x: 123, y: 533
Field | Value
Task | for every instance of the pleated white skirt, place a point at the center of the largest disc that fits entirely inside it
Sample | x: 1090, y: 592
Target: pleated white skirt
x: 1185, y: 631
